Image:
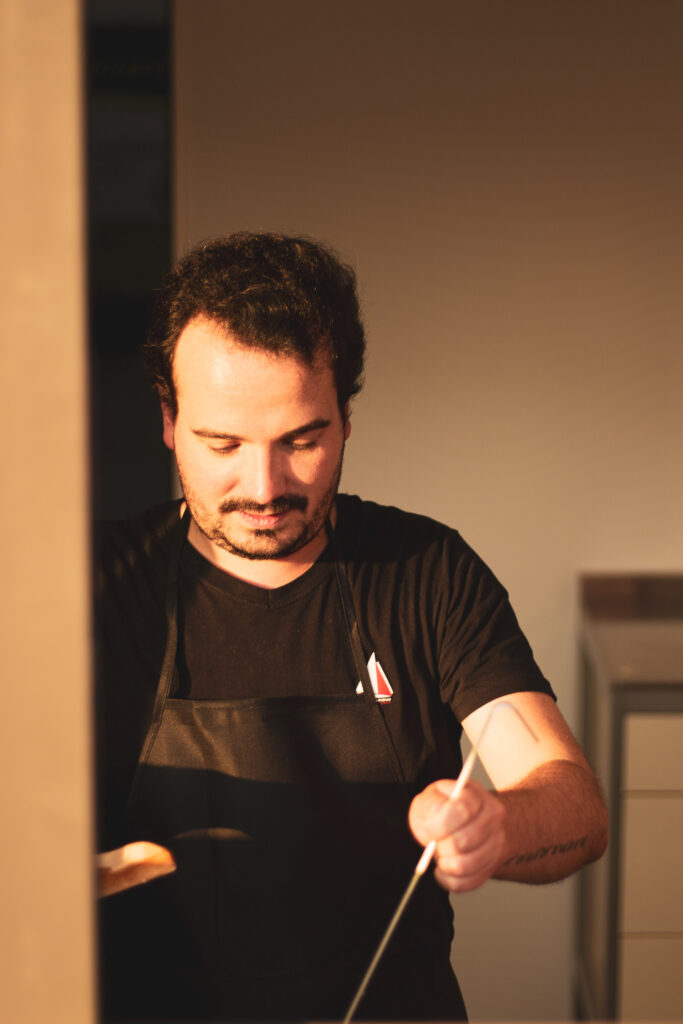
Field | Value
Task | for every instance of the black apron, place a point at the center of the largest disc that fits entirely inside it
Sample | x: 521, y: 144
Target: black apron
x: 287, y: 818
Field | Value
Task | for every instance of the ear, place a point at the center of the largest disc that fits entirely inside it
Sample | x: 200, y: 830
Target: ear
x: 347, y: 422
x: 169, y: 426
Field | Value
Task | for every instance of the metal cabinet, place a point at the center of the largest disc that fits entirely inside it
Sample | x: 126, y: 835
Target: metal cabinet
x: 629, y: 953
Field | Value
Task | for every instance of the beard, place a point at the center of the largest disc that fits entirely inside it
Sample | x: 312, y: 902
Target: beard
x: 261, y: 544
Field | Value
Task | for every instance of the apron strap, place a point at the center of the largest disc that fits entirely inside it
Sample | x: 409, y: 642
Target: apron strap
x: 168, y: 666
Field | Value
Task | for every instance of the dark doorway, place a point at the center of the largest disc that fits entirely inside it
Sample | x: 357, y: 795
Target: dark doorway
x: 128, y: 105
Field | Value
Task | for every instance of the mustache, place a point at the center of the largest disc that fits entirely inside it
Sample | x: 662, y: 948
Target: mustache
x: 285, y: 503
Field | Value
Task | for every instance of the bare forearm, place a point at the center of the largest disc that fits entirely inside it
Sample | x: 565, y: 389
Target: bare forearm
x: 546, y: 817
x: 540, y: 829
x: 555, y: 822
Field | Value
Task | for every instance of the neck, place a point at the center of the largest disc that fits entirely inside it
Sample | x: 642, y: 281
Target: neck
x: 268, y: 573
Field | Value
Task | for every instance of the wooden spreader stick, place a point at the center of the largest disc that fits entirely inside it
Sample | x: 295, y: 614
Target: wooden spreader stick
x: 426, y: 857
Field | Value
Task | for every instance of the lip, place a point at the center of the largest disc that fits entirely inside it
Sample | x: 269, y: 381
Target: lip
x: 267, y: 522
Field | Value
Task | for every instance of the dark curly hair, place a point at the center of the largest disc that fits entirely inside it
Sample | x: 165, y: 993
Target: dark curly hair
x: 283, y: 294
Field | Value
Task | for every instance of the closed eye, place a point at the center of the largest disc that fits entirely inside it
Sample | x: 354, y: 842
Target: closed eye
x: 301, y: 444
x: 224, y: 449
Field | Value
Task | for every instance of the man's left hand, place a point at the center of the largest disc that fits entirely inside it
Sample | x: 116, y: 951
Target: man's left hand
x: 469, y: 832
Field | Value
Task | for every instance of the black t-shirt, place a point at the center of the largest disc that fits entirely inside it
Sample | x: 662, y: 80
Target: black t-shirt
x: 437, y: 620
x: 236, y: 640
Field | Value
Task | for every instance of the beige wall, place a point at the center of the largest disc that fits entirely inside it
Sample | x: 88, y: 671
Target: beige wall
x: 507, y: 179
x: 46, y: 951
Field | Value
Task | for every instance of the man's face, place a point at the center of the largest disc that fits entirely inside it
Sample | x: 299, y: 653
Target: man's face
x: 258, y: 440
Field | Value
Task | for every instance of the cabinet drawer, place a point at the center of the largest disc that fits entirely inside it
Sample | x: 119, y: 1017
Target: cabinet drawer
x: 650, y: 979
x: 653, y: 752
x: 652, y: 880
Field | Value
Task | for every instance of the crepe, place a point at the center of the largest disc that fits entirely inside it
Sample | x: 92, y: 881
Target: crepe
x: 132, y: 865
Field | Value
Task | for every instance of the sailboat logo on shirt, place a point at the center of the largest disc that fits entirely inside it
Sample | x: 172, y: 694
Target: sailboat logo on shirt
x: 380, y: 684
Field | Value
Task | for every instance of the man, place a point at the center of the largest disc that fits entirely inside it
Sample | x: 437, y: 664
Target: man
x: 284, y: 676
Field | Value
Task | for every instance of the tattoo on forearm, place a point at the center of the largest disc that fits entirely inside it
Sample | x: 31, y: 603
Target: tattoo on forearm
x: 546, y: 851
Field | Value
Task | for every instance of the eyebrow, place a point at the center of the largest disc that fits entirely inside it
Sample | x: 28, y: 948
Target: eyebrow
x: 306, y: 428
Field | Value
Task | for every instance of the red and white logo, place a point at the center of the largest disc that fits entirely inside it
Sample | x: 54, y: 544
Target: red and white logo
x: 380, y: 684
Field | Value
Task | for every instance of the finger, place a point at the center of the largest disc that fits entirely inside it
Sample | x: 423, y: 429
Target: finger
x: 434, y: 815
x: 472, y: 854
x: 461, y: 813
x: 464, y: 872
x: 486, y: 823
x: 425, y: 814
x: 471, y: 862
x: 460, y: 883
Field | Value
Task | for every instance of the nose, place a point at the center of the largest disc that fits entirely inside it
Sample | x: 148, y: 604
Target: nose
x: 265, y: 476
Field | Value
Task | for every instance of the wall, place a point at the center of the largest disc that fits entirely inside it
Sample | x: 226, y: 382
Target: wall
x: 46, y: 892
x: 506, y: 178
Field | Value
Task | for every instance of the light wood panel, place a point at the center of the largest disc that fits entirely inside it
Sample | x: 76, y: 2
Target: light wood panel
x: 650, y: 986
x: 652, y: 887
x: 46, y: 947
x: 652, y: 756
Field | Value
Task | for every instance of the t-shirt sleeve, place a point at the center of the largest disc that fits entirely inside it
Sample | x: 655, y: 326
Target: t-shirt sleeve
x: 483, y: 653
x: 129, y: 630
